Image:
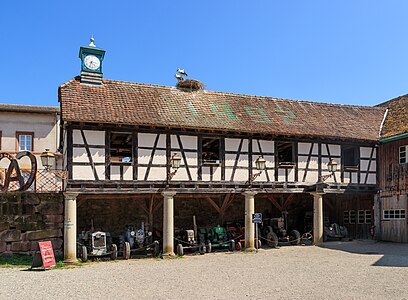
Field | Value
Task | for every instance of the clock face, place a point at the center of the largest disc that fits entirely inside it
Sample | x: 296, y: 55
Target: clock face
x: 92, y: 62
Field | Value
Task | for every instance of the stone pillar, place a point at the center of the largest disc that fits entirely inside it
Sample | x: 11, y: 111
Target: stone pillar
x: 70, y: 228
x: 317, y: 218
x: 168, y: 223
x: 249, y: 226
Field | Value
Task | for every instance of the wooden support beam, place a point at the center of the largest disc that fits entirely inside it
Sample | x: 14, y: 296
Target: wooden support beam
x: 213, y: 204
x: 288, y: 201
x: 274, y: 202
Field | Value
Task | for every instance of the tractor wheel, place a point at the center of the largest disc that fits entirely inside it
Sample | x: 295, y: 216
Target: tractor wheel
x: 201, y: 249
x: 84, y: 254
x: 267, y: 230
x: 238, y: 246
x: 307, y: 238
x: 272, y: 239
x: 180, y: 250
x: 232, y: 245
x: 114, y: 254
x: 208, y: 248
x: 126, y: 250
x: 294, y: 237
x: 156, y: 249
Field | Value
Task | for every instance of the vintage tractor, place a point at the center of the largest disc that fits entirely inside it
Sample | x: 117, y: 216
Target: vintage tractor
x: 330, y: 230
x: 218, y: 238
x: 96, y: 244
x: 275, y: 231
x: 237, y: 233
x: 190, y: 240
x: 138, y: 242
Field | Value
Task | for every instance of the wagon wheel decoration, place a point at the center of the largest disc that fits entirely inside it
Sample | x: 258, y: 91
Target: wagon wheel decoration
x: 307, y: 238
x: 13, y: 172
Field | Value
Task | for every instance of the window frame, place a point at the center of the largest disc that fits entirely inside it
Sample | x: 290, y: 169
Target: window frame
x: 403, y: 149
x: 391, y: 214
x: 211, y: 162
x: 356, y: 157
x: 21, y: 133
x: 286, y: 164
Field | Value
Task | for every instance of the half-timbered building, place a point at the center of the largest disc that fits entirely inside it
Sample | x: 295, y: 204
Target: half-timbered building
x: 120, y: 139
x: 391, y: 203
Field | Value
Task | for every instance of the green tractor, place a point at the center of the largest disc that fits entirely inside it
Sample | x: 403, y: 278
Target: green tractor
x: 218, y: 238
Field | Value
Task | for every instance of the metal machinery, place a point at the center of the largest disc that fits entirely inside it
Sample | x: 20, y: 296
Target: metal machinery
x: 138, y: 242
x: 96, y: 244
x: 330, y: 230
x: 275, y: 231
x: 191, y: 240
x: 218, y: 237
x: 238, y: 235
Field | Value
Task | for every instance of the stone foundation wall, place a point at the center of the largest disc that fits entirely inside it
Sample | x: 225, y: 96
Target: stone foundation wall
x: 28, y: 218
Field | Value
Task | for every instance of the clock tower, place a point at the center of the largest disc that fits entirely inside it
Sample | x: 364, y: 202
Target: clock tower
x: 91, y: 63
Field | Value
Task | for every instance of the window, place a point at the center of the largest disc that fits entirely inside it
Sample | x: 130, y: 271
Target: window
x: 346, y: 217
x: 351, y: 157
x: 121, y: 147
x: 285, y: 154
x: 403, y: 157
x: 392, y: 214
x: 368, y: 216
x: 211, y: 151
x: 25, y: 141
x: 363, y: 217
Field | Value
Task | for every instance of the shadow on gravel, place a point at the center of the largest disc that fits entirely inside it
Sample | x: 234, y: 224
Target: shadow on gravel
x: 393, y: 254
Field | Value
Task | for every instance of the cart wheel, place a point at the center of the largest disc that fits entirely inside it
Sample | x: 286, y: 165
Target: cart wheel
x: 294, y: 237
x: 307, y: 238
x: 126, y: 250
x: 114, y: 254
x: 208, y: 248
x: 201, y: 249
x: 259, y: 244
x: 272, y: 239
x: 84, y: 254
x: 156, y: 249
x: 238, y: 246
x: 232, y: 245
x: 267, y: 230
x: 180, y: 250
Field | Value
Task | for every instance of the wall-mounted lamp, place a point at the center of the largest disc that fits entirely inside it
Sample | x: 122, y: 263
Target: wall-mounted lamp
x: 175, y: 162
x: 47, y: 159
x: 260, y: 164
x: 331, y: 167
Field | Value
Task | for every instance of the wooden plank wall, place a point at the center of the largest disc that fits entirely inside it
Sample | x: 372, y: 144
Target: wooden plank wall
x: 394, y: 230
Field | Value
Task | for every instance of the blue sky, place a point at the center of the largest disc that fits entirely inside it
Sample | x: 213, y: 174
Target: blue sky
x: 348, y: 52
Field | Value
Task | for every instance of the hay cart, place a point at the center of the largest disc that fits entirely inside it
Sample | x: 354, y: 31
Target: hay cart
x: 139, y: 242
x: 238, y: 235
x: 275, y: 231
x: 96, y: 245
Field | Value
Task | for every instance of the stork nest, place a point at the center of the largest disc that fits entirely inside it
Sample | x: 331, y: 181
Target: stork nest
x: 190, y: 84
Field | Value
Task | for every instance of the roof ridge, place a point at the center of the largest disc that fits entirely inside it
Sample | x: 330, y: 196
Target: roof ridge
x: 148, y: 85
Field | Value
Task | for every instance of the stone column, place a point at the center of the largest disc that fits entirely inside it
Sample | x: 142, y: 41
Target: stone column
x: 70, y: 228
x: 249, y: 226
x: 317, y: 218
x: 168, y: 223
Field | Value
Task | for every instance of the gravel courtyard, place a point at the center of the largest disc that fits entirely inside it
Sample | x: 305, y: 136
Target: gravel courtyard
x: 340, y: 270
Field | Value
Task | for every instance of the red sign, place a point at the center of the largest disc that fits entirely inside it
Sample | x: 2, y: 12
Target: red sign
x: 47, y: 254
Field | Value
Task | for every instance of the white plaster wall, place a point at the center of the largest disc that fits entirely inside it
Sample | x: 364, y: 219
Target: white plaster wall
x: 147, y: 140
x: 80, y: 155
x: 233, y: 145
x: 335, y: 150
x: 188, y: 142
x: 156, y: 173
x: 304, y: 148
x: 93, y: 137
x: 366, y: 152
x: 216, y: 173
x: 266, y: 146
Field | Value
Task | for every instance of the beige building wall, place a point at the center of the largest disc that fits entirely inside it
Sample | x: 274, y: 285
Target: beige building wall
x: 45, y: 129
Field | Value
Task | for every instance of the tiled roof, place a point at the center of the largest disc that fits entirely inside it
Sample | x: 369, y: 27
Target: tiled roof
x: 396, y: 122
x: 29, y: 108
x: 118, y: 102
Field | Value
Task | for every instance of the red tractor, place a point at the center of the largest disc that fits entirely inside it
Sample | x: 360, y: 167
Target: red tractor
x: 237, y: 232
